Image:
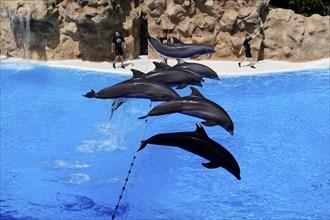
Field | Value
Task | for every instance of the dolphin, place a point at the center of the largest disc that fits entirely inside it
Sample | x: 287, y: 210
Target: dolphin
x: 171, y: 76
x: 198, y: 143
x: 198, y: 106
x: 136, y: 87
x: 161, y: 66
x: 203, y: 70
x: 197, y: 68
x: 180, y: 50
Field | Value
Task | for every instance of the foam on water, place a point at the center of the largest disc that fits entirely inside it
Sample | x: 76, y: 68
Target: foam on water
x: 18, y: 66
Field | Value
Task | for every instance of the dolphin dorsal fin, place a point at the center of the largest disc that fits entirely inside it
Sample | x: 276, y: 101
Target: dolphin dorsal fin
x: 160, y: 65
x: 200, y: 130
x: 177, y: 41
x: 137, y: 73
x: 195, y: 92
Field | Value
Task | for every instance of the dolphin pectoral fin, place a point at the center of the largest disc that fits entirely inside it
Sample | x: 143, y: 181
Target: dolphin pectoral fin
x: 211, y: 165
x: 143, y: 117
x: 181, y: 85
x: 195, y: 56
x: 209, y: 123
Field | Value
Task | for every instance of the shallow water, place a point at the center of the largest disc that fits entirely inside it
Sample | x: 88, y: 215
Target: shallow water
x: 61, y: 157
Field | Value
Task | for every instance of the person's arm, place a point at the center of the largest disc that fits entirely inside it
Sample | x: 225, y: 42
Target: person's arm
x: 123, y: 43
x: 241, y: 50
x: 113, y: 47
x: 256, y: 34
x: 170, y: 40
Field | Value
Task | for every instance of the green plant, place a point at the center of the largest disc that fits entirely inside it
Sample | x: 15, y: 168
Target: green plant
x: 304, y: 7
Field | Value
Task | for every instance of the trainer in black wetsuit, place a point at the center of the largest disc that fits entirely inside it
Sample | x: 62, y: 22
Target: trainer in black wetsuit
x: 117, y: 48
x: 247, y: 48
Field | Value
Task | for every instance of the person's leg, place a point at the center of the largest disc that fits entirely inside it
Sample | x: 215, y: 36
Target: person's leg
x: 249, y: 57
x: 122, y: 61
x: 114, y: 62
x: 240, y: 63
x: 251, y: 62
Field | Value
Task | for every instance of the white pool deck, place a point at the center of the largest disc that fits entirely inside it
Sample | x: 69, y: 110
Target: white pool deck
x: 223, y: 68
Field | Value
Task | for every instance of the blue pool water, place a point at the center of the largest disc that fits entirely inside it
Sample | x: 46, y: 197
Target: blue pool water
x: 61, y: 157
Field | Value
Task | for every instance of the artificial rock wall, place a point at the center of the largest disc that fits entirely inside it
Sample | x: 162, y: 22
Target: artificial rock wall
x: 82, y: 29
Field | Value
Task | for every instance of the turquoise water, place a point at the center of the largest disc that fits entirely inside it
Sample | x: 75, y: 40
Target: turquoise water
x: 61, y: 157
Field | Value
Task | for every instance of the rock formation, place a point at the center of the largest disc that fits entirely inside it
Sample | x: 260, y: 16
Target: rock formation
x: 82, y: 29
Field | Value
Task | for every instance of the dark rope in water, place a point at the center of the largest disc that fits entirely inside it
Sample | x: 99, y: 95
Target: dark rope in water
x: 128, y: 174
x: 124, y: 187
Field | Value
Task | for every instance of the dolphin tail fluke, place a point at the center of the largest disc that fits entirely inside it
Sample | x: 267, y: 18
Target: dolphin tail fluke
x: 211, y: 165
x: 90, y: 94
x: 143, y: 145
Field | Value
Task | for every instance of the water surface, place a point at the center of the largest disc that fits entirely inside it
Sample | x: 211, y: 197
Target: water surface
x: 61, y: 157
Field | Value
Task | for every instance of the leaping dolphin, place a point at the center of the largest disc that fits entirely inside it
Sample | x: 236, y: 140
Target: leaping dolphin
x: 136, y: 87
x: 203, y: 70
x: 198, y: 143
x: 198, y: 68
x: 172, y: 76
x: 198, y: 106
x: 180, y: 50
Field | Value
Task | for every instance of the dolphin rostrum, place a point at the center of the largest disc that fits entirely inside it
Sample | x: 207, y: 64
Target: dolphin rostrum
x: 136, y: 87
x: 196, y: 105
x: 198, y: 143
x: 171, y: 76
x: 180, y: 50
